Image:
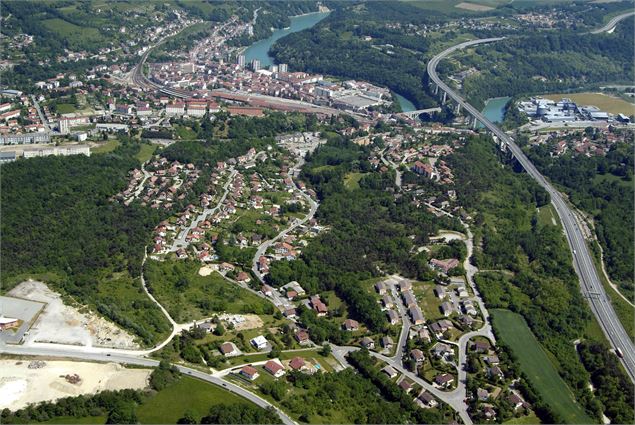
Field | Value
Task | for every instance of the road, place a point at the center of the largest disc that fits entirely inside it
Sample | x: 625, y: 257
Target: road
x: 141, y: 361
x: 582, y: 261
x: 262, y: 249
x: 612, y: 23
x: 179, y: 240
x: 45, y: 122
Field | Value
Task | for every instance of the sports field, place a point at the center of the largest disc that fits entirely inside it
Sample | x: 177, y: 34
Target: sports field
x: 533, y: 361
x: 606, y: 103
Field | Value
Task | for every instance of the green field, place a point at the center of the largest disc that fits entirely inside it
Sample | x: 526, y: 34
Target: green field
x: 187, y: 394
x: 106, y: 147
x: 351, y: 180
x: 145, y: 152
x: 65, y: 108
x: 71, y: 32
x: 535, y: 363
x: 613, y: 105
x: 547, y: 216
x: 188, y: 296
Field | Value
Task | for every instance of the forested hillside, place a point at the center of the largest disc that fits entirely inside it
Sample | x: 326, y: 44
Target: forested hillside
x: 58, y: 222
x: 603, y: 187
x: 539, y: 63
x: 537, y: 279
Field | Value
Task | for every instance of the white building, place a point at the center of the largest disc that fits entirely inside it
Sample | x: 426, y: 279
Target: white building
x: 259, y: 342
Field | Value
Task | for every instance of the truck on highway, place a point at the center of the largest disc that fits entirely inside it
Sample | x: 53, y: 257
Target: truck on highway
x: 619, y: 353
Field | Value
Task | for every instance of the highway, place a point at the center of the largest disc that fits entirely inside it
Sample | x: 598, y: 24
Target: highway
x: 141, y: 361
x: 611, y: 24
x: 590, y: 283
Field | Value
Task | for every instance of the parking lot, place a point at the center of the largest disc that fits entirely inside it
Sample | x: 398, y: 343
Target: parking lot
x: 25, y: 310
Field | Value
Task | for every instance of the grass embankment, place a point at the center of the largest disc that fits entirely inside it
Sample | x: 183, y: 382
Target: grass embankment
x: 535, y: 363
x: 613, y: 105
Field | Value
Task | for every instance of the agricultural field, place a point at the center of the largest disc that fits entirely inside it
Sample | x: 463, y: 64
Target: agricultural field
x: 610, y: 104
x: 547, y: 216
x: 535, y: 363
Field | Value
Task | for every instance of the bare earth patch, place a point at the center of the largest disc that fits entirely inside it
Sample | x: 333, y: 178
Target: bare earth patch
x: 205, y: 271
x: 242, y: 322
x: 473, y: 7
x: 63, y: 324
x: 50, y: 380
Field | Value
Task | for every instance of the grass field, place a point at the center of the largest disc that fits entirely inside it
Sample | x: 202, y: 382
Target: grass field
x: 106, y: 147
x: 145, y: 152
x: 187, y: 394
x: 65, y: 108
x: 547, y: 216
x: 73, y: 33
x: 188, y: 296
x: 458, y: 6
x: 606, y: 103
x: 528, y: 420
x: 535, y: 363
x: 351, y: 180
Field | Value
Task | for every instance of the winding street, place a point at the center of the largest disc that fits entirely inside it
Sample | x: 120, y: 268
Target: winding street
x: 262, y: 249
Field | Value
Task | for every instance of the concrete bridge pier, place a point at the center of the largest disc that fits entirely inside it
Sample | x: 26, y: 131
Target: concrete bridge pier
x: 445, y: 97
x: 435, y: 89
x: 458, y: 108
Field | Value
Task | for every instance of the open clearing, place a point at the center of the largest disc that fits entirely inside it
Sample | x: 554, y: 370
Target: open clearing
x: 473, y: 7
x: 63, y: 324
x: 610, y: 104
x: 188, y: 393
x: 21, y: 385
x: 536, y: 365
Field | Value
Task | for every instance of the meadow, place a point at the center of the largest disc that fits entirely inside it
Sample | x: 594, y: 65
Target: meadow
x: 535, y: 363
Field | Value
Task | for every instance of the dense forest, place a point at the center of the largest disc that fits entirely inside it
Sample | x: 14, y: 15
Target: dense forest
x: 370, y: 233
x: 542, y: 285
x: 62, y: 225
x: 540, y: 63
x: 603, y: 187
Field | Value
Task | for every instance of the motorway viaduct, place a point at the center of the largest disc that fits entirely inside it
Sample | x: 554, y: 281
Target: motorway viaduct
x: 590, y: 283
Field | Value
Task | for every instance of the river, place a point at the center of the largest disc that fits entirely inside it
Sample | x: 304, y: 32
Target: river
x: 494, y: 109
x: 260, y: 49
x: 406, y: 105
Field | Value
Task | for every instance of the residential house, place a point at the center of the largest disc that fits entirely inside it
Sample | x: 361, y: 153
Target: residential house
x: 387, y: 342
x: 444, y: 265
x: 260, y: 342
x: 442, y: 350
x: 351, y: 325
x: 228, y: 349
x: 387, y: 301
x: 249, y: 372
x: 417, y: 355
x: 416, y: 315
x: 302, y: 337
x: 368, y: 343
x: 274, y: 368
x: 406, y: 385
x: 393, y: 317
x: 482, y: 394
x: 390, y: 371
x: 320, y: 308
x: 297, y: 363
x: 446, y: 309
x: 426, y: 400
x: 439, y: 291
x: 444, y: 380
x: 380, y: 287
x: 409, y: 299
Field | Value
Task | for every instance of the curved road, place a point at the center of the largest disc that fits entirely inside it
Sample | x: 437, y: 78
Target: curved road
x: 612, y: 23
x: 590, y: 283
x: 140, y: 361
